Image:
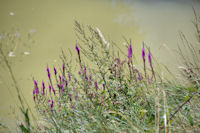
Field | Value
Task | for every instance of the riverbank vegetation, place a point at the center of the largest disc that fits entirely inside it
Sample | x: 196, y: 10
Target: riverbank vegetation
x: 101, y: 88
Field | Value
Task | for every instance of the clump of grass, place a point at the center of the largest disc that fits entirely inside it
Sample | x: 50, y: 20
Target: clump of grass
x: 104, y: 90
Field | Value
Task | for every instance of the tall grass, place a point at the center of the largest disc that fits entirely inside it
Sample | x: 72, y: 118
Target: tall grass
x: 104, y: 90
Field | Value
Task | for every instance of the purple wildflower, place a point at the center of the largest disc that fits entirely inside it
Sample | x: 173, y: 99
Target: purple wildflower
x: 86, y: 78
x: 55, y: 71
x: 54, y: 92
x: 63, y: 67
x: 143, y: 55
x: 84, y: 70
x: 103, y: 86
x: 72, y: 106
x: 33, y: 91
x: 140, y: 77
x: 51, y: 105
x: 35, y: 82
x: 129, y: 52
x: 50, y: 89
x: 79, y: 72
x: 48, y: 73
x: 95, y: 84
x: 77, y: 49
x: 66, y: 83
x: 149, y: 59
x: 43, y: 111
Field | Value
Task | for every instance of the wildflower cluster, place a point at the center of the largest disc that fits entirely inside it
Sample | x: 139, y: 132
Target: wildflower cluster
x: 106, y: 92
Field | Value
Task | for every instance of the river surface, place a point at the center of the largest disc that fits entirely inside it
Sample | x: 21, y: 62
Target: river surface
x: 45, y: 27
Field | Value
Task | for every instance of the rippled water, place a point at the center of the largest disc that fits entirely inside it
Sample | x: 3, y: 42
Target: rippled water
x: 49, y: 24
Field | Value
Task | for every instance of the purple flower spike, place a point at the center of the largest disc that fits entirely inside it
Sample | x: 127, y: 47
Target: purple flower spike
x: 51, y: 105
x: 48, y: 73
x: 77, y: 49
x: 43, y: 86
x: 84, y: 70
x: 129, y: 52
x: 54, y: 92
x: 63, y: 67
x: 149, y: 59
x: 50, y: 89
x: 33, y: 91
x: 35, y: 82
x: 143, y: 55
x: 79, y: 72
x: 55, y: 71
x: 103, y: 86
x: 95, y: 84
x: 140, y: 77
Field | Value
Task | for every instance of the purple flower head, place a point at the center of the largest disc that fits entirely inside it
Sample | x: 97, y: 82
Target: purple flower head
x: 58, y: 85
x: 129, y: 51
x: 95, y: 84
x: 140, y: 77
x: 79, y: 72
x: 86, y: 78
x: 54, y: 92
x: 143, y: 55
x: 66, y: 83
x: 51, y: 105
x: 149, y: 59
x: 77, y: 49
x: 33, y: 91
x: 103, y: 85
x: 35, y: 82
x: 60, y: 78
x: 43, y: 85
x: 63, y: 67
x: 50, y: 89
x: 72, y: 106
x: 84, y: 70
x: 42, y: 93
x: 48, y: 73
x: 36, y: 90
x: 55, y: 71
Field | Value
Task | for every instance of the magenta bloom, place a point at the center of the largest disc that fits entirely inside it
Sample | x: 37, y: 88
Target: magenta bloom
x: 51, y: 105
x: 129, y: 51
x: 143, y: 54
x: 84, y: 70
x: 149, y: 59
x: 43, y: 87
x: 79, y: 72
x: 63, y: 67
x: 48, y: 73
x: 54, y: 92
x: 50, y: 89
x: 55, y: 71
x: 35, y: 82
x: 96, y: 86
x: 77, y: 49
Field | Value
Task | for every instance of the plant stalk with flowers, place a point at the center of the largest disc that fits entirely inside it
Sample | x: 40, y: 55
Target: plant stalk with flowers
x: 101, y: 91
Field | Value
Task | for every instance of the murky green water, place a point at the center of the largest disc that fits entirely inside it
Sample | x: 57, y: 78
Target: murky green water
x: 50, y: 24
